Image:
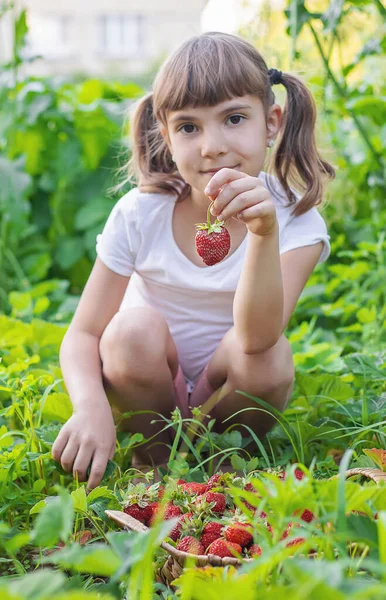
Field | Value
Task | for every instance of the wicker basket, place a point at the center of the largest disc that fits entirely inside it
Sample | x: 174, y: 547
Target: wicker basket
x: 375, y: 474
x: 174, y: 564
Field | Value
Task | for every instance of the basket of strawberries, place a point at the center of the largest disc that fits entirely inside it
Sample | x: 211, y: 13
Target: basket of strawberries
x: 209, y: 528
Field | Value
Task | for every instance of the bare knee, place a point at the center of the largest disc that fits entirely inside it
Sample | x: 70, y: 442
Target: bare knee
x: 135, y: 341
x: 266, y: 373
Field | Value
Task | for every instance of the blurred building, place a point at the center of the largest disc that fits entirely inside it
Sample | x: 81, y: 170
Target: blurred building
x: 105, y: 37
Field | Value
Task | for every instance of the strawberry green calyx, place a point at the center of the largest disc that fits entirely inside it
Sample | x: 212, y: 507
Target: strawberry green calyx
x: 211, y: 227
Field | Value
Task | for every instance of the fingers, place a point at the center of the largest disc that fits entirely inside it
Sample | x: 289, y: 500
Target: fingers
x: 261, y: 210
x: 98, y: 468
x: 221, y: 177
x: 82, y: 461
x: 239, y: 203
x: 231, y: 191
x: 59, y: 444
x: 69, y: 455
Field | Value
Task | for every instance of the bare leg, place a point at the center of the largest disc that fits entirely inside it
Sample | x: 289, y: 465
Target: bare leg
x: 268, y: 375
x: 139, y: 364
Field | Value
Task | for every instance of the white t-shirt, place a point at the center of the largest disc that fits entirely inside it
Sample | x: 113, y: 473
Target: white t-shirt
x: 197, y: 302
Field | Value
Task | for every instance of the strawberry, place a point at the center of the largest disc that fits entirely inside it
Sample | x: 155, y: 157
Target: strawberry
x: 307, y: 515
x: 255, y: 550
x: 210, y: 533
x: 138, y: 499
x: 219, y: 499
x: 181, y: 481
x: 171, y: 510
x: 239, y: 533
x: 223, y: 548
x: 299, y: 474
x: 194, y: 488
x: 142, y: 514
x: 249, y: 488
x: 295, y: 542
x: 286, y: 531
x: 213, y: 242
x: 177, y: 529
x: 191, y: 544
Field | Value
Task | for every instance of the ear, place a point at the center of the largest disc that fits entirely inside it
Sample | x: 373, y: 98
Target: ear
x: 274, y: 118
x: 164, y: 133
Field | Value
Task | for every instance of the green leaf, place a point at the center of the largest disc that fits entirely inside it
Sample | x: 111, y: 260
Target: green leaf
x: 362, y: 529
x: 58, y: 407
x: 80, y: 499
x: 69, y: 251
x: 252, y: 464
x: 21, y: 30
x: 93, y: 213
x: 238, y: 463
x: 95, y: 559
x: 55, y: 521
x: 100, y: 492
x: 39, y: 585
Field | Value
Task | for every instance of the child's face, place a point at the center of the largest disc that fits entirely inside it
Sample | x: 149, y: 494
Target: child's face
x: 232, y: 134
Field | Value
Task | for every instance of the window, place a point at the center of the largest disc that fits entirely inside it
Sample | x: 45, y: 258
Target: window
x: 48, y: 35
x: 120, y: 35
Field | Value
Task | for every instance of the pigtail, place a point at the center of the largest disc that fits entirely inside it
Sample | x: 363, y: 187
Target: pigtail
x: 296, y: 149
x: 151, y: 164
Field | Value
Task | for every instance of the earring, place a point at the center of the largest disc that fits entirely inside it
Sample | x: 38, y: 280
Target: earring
x: 173, y: 159
x: 271, y: 143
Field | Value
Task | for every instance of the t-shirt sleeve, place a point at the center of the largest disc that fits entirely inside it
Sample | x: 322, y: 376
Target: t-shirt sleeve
x: 306, y: 230
x: 117, y: 245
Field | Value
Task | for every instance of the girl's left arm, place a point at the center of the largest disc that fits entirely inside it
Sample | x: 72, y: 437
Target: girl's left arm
x: 270, y: 284
x: 259, y: 299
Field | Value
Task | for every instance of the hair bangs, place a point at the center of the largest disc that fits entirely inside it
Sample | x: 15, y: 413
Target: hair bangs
x: 207, y: 71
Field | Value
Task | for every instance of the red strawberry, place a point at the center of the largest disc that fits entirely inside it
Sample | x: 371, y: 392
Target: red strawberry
x: 213, y: 242
x: 295, y: 542
x: 142, y: 514
x: 181, y: 481
x: 223, y: 548
x: 210, y: 533
x: 239, y: 533
x: 286, y: 531
x: 176, y: 531
x: 219, y: 499
x: 213, y: 481
x: 255, y: 550
x: 194, y: 488
x: 191, y: 544
x: 299, y: 474
x: 249, y: 488
x: 307, y: 515
x: 171, y: 511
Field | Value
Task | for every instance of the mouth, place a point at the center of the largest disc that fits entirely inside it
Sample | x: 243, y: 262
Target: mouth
x: 212, y: 171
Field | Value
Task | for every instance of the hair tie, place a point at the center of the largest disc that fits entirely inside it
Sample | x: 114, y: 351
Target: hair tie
x: 275, y: 76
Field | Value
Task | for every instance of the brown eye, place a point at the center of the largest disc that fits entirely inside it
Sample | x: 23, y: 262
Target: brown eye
x: 187, y: 125
x: 238, y: 117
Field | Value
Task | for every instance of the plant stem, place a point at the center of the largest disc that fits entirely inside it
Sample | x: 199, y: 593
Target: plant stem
x: 343, y: 94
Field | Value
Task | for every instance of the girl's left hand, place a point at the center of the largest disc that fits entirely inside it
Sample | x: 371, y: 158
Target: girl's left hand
x: 242, y: 193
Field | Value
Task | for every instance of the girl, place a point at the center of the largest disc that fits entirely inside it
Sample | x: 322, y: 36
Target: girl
x: 182, y: 330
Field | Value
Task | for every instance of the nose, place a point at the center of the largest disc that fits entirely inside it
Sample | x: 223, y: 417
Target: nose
x: 213, y: 144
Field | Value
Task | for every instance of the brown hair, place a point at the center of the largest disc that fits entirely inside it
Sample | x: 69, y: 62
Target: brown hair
x: 206, y: 70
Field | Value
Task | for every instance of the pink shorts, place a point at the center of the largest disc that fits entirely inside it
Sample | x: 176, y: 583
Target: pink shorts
x: 200, y: 393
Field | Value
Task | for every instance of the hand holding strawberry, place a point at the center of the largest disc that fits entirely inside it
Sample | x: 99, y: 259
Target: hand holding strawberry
x: 238, y: 195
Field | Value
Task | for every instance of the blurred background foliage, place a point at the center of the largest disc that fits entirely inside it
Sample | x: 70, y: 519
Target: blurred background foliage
x: 62, y: 141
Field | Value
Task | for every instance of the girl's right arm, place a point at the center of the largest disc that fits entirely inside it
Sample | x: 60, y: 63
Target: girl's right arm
x: 89, y: 435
